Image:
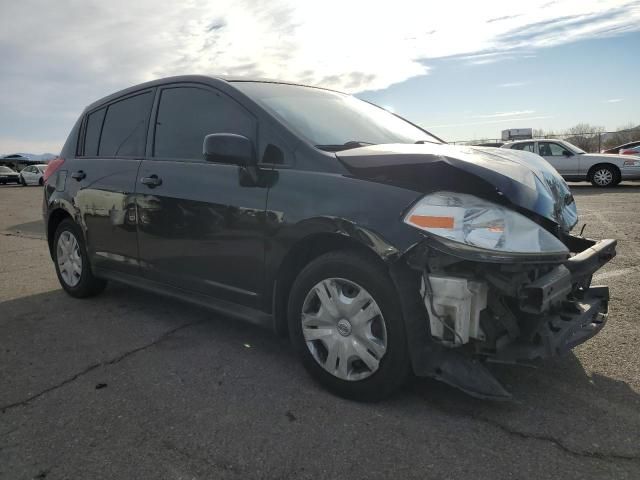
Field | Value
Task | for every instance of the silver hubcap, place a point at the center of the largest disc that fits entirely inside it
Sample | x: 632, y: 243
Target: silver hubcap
x: 603, y: 177
x: 69, y: 259
x: 344, y: 329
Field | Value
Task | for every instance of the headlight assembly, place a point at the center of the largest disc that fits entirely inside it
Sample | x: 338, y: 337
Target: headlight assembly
x: 474, y: 222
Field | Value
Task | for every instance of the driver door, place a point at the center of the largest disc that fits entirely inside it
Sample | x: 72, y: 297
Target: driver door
x: 28, y: 175
x: 199, y: 227
x: 562, y: 159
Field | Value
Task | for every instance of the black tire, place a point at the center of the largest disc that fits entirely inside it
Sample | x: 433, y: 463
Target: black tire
x: 394, y: 367
x: 22, y: 181
x: 88, y: 285
x: 41, y: 182
x: 610, y: 171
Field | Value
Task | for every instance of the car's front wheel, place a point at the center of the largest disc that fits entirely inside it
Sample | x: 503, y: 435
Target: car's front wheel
x: 22, y: 181
x: 72, y: 263
x: 346, y: 323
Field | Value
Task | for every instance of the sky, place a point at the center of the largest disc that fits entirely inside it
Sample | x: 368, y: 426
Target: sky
x: 464, y: 70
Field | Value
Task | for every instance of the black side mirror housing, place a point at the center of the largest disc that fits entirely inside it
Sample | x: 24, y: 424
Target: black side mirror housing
x: 567, y: 153
x: 228, y: 148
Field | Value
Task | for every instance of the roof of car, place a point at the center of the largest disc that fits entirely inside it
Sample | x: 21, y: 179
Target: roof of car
x: 189, y: 79
x: 625, y: 145
x: 511, y: 142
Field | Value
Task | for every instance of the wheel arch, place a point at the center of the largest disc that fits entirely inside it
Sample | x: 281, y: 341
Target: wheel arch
x: 593, y: 168
x: 305, y: 251
x: 55, y: 218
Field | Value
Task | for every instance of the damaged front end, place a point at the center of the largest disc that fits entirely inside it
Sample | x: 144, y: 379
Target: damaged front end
x: 498, y: 306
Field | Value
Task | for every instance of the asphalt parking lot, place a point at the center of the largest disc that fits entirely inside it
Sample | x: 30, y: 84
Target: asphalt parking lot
x: 132, y: 385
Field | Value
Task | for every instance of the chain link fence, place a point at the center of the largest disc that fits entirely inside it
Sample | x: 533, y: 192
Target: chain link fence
x: 592, y: 142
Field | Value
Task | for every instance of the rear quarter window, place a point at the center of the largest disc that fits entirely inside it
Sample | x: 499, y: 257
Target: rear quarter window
x: 92, y: 132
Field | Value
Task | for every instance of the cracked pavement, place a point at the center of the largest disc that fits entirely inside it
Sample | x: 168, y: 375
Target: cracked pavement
x: 133, y: 385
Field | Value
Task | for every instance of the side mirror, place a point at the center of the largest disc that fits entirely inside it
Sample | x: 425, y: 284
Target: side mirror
x: 567, y: 153
x: 228, y: 148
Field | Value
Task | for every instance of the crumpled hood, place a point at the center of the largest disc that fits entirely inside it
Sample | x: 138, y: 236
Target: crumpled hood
x: 524, y: 178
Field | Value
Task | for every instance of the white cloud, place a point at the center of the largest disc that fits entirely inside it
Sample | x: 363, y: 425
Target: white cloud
x: 614, y: 100
x: 514, y: 113
x: 68, y: 53
x: 513, y: 84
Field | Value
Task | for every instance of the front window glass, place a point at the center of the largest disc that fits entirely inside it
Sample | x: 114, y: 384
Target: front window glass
x: 551, y: 149
x: 331, y: 120
x: 187, y: 114
x: 573, y: 148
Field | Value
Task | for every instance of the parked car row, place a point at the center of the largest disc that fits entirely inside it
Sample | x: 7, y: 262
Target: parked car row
x: 30, y: 175
x: 574, y: 164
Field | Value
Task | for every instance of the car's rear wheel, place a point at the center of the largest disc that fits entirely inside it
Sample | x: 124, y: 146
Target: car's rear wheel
x: 72, y: 263
x: 604, y: 176
x: 346, y: 323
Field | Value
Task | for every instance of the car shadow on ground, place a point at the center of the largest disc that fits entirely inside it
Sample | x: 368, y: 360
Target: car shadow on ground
x: 51, y: 341
x: 587, y: 189
x: 33, y: 229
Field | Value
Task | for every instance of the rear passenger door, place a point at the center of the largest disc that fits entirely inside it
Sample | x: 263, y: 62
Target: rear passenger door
x: 102, y: 179
x: 200, y: 228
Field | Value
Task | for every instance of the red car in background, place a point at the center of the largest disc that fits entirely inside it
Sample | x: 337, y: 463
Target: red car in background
x: 630, y: 151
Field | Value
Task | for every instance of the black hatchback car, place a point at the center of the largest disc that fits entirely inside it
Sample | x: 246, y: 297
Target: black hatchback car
x: 377, y: 248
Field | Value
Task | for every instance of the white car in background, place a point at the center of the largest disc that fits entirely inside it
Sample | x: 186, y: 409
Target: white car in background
x: 574, y: 164
x: 32, y: 175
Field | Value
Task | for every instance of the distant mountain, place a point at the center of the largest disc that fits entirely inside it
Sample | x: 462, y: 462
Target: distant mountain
x: 42, y: 157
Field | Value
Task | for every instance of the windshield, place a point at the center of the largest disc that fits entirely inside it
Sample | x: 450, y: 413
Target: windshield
x: 332, y: 120
x: 572, y: 147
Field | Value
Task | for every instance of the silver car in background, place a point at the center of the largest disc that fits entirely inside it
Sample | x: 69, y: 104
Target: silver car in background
x: 574, y: 164
x: 32, y: 175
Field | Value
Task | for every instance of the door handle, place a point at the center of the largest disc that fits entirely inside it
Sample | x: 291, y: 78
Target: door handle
x: 79, y: 175
x: 152, y: 182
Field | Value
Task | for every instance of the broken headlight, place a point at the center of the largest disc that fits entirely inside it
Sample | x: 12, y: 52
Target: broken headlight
x: 474, y: 222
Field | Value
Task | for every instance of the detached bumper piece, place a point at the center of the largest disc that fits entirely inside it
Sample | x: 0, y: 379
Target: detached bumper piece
x: 573, y: 323
x: 508, y: 313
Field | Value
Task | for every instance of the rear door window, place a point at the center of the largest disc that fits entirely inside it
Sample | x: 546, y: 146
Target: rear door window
x: 92, y: 135
x: 526, y: 146
x: 187, y: 114
x: 124, y: 132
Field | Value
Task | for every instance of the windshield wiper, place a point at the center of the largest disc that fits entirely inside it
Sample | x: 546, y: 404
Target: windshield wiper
x: 344, y: 146
x: 421, y: 142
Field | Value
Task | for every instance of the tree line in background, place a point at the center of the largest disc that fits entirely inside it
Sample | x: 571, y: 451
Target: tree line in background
x: 593, y: 138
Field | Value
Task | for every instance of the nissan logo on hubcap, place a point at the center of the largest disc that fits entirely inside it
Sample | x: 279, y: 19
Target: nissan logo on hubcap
x: 344, y: 327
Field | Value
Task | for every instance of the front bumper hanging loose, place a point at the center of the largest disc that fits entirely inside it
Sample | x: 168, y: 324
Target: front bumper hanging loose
x: 531, y: 319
